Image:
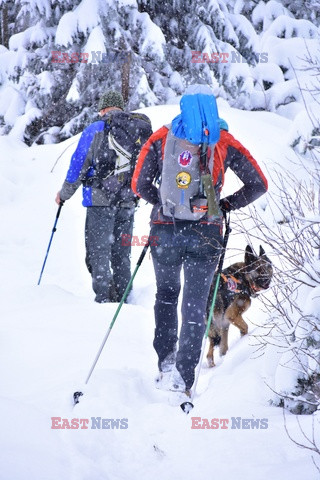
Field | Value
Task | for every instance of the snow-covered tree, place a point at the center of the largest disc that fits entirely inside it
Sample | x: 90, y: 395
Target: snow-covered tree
x: 63, y: 55
x: 247, y: 51
x: 308, y: 9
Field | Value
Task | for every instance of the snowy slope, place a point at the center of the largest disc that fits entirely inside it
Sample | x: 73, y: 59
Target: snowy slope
x: 50, y: 334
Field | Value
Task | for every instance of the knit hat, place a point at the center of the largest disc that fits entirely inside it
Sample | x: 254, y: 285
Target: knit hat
x: 111, y: 98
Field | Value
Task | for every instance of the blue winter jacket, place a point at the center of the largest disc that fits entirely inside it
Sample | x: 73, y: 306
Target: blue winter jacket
x: 94, y: 158
x: 81, y: 168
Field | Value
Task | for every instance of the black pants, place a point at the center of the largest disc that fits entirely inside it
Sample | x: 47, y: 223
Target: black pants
x: 107, y: 255
x: 196, y: 248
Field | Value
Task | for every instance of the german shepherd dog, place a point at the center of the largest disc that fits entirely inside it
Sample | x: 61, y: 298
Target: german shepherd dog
x: 238, y: 283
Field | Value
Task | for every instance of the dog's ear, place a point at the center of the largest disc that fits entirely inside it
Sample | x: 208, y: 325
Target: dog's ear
x: 263, y: 255
x: 261, y: 252
x: 249, y: 256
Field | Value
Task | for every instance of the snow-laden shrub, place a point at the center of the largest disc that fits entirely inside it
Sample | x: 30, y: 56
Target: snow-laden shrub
x: 290, y: 226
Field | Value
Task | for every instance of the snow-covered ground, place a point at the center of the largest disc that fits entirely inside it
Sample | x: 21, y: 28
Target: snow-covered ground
x: 50, y: 334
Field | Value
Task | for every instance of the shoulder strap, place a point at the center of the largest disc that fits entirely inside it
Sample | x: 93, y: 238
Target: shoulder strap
x: 220, y: 166
x: 107, y: 122
x: 118, y: 148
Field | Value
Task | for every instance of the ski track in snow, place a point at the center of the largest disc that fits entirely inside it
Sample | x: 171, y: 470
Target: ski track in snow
x: 51, y: 333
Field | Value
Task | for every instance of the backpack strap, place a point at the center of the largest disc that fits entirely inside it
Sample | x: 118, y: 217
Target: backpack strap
x: 218, y: 166
x: 107, y: 122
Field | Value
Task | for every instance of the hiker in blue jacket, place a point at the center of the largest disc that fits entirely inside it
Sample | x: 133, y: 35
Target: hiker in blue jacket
x: 105, y: 176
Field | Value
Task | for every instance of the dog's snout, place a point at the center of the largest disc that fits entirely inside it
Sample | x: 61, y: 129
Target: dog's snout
x: 263, y: 282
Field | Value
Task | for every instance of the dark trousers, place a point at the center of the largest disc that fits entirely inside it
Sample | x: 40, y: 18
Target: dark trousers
x: 195, y: 248
x: 107, y: 255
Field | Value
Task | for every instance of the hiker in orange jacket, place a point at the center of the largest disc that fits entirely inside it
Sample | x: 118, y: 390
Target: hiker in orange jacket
x: 186, y: 235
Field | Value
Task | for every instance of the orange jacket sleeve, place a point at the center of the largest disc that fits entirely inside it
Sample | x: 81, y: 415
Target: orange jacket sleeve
x: 149, y: 165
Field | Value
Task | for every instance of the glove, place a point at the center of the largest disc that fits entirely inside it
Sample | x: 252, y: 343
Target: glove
x: 224, y: 206
x: 58, y: 199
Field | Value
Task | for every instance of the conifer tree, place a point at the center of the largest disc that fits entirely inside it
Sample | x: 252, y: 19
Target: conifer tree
x: 150, y: 50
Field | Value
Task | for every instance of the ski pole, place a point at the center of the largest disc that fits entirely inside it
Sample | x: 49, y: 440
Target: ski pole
x: 53, y: 230
x: 188, y: 406
x: 77, y: 395
x: 70, y: 145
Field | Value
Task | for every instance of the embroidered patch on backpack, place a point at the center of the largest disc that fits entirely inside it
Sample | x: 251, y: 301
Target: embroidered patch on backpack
x: 185, y: 158
x: 183, y: 179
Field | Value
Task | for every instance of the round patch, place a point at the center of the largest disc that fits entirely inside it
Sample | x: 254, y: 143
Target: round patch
x: 183, y: 179
x: 185, y: 158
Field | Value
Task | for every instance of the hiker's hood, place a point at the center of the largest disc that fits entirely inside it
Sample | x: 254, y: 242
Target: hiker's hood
x: 198, y: 121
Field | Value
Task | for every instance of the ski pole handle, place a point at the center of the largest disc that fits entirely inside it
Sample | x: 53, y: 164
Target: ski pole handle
x: 225, y: 241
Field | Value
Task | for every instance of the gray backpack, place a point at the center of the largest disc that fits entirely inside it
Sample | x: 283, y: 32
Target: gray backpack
x: 182, y: 192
